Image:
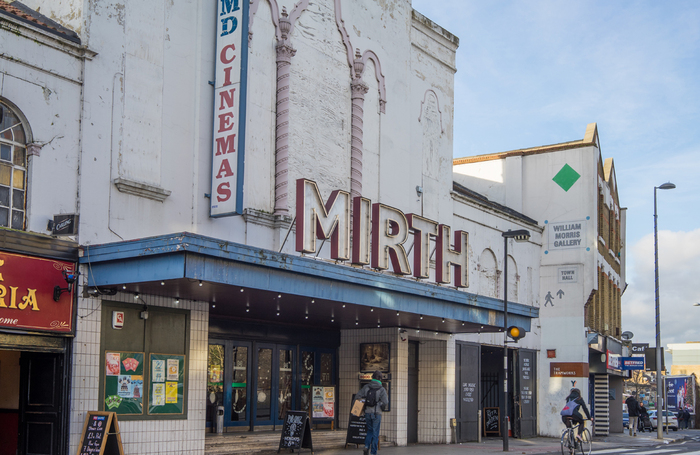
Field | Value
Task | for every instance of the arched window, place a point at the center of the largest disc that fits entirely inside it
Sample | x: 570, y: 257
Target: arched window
x: 488, y: 274
x: 13, y: 169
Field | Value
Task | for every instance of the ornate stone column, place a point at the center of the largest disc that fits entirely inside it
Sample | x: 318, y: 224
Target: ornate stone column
x: 285, y: 52
x: 359, y: 89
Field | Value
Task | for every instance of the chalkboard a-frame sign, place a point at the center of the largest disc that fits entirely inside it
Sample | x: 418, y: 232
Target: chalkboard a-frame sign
x: 100, y: 435
x: 492, y: 421
x: 296, y: 432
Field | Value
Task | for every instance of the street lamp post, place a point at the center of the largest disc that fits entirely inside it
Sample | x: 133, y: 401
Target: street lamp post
x: 521, y: 235
x: 659, y: 381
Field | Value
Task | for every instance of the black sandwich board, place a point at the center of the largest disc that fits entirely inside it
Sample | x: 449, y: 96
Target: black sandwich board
x: 100, y: 435
x: 296, y: 432
x: 357, y: 429
x: 492, y: 421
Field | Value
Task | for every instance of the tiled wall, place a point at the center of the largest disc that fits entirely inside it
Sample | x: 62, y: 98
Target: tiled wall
x: 143, y: 436
x: 436, y: 382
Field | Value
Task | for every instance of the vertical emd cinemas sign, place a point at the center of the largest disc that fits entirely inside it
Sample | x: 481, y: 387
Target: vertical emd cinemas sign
x: 228, y: 151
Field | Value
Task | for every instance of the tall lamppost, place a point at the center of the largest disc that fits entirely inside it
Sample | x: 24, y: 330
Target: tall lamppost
x: 521, y: 235
x: 659, y: 380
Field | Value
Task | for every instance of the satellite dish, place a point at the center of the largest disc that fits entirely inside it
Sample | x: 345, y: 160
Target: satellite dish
x: 627, y: 335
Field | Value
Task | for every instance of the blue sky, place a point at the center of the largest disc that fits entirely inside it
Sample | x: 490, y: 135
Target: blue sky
x: 536, y: 72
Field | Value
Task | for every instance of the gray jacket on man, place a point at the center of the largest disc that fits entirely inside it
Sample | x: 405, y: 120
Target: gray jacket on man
x: 382, y: 397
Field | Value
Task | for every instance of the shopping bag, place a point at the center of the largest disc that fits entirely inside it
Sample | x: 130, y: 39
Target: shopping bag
x: 357, y: 408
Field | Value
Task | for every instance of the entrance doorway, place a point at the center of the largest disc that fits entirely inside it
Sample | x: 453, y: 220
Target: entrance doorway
x: 412, y: 417
x: 256, y: 383
x: 33, y: 398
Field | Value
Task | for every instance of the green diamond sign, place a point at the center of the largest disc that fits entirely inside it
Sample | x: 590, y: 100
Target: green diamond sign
x: 566, y: 177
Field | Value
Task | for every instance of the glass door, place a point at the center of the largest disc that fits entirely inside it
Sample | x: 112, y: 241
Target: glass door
x: 316, y: 368
x: 228, y: 378
x: 274, y: 383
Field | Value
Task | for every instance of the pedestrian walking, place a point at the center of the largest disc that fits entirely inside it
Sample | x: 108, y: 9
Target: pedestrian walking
x: 376, y: 400
x: 633, y: 411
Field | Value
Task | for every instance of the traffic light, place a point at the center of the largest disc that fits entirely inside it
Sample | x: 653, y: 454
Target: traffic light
x: 515, y: 332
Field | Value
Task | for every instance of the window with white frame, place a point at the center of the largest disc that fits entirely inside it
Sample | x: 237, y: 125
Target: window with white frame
x: 13, y: 170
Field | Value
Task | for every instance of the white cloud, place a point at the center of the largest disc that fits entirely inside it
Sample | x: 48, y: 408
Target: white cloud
x: 679, y: 263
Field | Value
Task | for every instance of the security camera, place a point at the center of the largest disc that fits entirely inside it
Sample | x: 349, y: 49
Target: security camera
x: 70, y: 276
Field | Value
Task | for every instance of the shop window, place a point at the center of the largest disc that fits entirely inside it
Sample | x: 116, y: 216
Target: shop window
x: 144, y: 363
x: 13, y: 169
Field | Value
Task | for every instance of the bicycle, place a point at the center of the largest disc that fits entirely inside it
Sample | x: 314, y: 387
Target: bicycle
x: 570, y: 445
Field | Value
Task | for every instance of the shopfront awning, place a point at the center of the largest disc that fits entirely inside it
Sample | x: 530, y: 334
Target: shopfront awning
x: 246, y: 282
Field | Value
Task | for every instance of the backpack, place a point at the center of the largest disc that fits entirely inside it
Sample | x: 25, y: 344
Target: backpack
x: 371, y: 398
x: 569, y: 408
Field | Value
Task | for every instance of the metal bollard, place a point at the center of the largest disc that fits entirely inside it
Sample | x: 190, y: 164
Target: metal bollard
x: 478, y: 425
x: 219, y: 420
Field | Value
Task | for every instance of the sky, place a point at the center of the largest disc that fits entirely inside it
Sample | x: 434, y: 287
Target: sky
x: 536, y: 72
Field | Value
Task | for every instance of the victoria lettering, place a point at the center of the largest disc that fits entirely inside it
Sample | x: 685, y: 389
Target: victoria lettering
x: 379, y: 233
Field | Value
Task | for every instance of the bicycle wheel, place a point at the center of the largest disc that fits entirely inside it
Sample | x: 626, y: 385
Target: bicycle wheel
x: 565, y: 441
x: 586, y: 442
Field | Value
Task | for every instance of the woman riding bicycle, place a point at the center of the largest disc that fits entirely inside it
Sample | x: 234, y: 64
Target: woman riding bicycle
x: 576, y: 416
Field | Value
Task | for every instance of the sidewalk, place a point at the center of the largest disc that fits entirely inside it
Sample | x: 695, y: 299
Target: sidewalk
x: 523, y: 446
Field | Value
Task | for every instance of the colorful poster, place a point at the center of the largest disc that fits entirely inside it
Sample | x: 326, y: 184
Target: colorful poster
x: 158, y: 397
x: 158, y: 373
x: 679, y: 393
x: 323, y: 402
x: 173, y: 369
x: 136, y: 386
x: 112, y: 364
x: 124, y: 386
x: 171, y: 392
x: 123, y: 383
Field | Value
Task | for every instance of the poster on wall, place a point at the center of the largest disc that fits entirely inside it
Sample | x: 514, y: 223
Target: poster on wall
x: 167, y: 384
x: 323, y: 402
x: 123, y: 385
x: 374, y: 356
x: 679, y: 393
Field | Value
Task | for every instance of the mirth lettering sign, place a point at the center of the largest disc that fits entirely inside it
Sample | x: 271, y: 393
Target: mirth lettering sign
x: 229, y: 108
x: 26, y: 294
x: 567, y: 235
x: 379, y: 233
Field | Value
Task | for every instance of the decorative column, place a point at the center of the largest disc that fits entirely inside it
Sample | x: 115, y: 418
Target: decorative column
x: 285, y: 52
x: 359, y: 89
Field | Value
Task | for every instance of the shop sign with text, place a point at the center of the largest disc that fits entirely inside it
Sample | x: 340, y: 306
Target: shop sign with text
x: 613, y: 361
x: 567, y: 235
x: 568, y: 370
x: 26, y: 294
x: 379, y: 233
x: 228, y: 151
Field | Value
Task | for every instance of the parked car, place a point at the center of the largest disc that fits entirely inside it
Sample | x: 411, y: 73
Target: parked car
x: 672, y: 420
x: 625, y: 420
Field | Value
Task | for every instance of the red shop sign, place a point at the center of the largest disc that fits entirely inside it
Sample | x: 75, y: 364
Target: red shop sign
x: 26, y: 294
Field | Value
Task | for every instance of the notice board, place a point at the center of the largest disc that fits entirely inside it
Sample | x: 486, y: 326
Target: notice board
x: 123, y: 388
x: 166, y: 384
x: 100, y: 435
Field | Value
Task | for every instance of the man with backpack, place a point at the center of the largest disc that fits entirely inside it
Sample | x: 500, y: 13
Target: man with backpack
x: 633, y: 411
x: 376, y: 399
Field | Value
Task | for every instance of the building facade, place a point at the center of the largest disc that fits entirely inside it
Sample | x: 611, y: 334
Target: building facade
x: 572, y: 191
x: 265, y: 210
